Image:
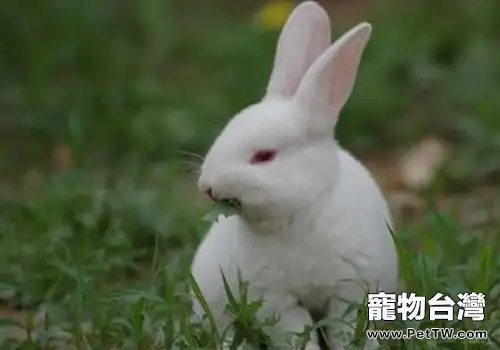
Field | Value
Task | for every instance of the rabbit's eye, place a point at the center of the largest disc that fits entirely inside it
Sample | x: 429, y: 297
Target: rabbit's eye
x: 263, y: 156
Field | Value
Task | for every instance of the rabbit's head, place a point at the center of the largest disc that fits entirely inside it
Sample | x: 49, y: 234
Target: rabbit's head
x: 278, y: 155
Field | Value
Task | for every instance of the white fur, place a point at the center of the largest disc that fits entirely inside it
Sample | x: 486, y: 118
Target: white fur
x: 314, y: 223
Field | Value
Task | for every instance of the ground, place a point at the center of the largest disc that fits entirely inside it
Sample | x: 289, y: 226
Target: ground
x: 105, y: 109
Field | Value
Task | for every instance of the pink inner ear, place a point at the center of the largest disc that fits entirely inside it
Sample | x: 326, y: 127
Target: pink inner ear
x: 263, y: 156
x: 342, y: 73
x: 330, y: 80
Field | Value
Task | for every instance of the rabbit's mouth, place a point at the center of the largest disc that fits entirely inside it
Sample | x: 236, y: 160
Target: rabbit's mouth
x: 233, y: 204
x: 226, y: 207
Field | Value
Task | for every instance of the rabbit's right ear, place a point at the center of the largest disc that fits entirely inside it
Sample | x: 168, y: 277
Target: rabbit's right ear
x: 305, y: 36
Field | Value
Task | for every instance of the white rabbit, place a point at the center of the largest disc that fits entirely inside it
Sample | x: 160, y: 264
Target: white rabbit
x: 313, y: 225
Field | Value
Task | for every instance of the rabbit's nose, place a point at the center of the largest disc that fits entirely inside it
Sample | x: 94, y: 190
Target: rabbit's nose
x: 205, y: 188
x: 210, y: 193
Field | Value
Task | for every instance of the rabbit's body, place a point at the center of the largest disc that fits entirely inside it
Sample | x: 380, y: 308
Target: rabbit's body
x: 314, y: 226
x: 302, y: 263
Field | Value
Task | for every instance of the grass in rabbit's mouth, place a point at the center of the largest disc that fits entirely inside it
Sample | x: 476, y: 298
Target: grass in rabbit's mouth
x: 226, y: 207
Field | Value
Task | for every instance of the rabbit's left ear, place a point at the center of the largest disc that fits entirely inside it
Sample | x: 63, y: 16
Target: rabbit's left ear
x: 305, y: 36
x: 329, y: 82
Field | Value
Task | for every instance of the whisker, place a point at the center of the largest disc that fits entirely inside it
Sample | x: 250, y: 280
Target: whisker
x: 192, y: 154
x: 192, y: 169
x: 192, y: 164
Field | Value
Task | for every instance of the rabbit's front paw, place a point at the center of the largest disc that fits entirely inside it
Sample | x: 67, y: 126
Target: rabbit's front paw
x: 371, y: 344
x: 226, y: 345
x: 312, y: 346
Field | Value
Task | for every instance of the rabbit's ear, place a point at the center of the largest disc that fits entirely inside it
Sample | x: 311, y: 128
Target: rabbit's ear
x: 330, y: 80
x: 305, y: 36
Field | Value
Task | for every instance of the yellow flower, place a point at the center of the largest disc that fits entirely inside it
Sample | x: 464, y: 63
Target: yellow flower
x: 274, y: 14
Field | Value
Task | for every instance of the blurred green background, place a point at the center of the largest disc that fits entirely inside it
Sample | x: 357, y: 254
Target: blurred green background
x: 106, y: 104
x: 115, y: 78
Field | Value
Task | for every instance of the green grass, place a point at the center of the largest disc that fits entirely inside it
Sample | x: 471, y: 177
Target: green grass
x: 137, y: 90
x: 115, y: 258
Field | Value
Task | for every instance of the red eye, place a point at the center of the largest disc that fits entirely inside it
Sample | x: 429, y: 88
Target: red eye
x: 263, y: 156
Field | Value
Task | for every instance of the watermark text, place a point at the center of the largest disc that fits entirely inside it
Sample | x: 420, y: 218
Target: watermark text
x: 409, y: 306
x: 428, y: 333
